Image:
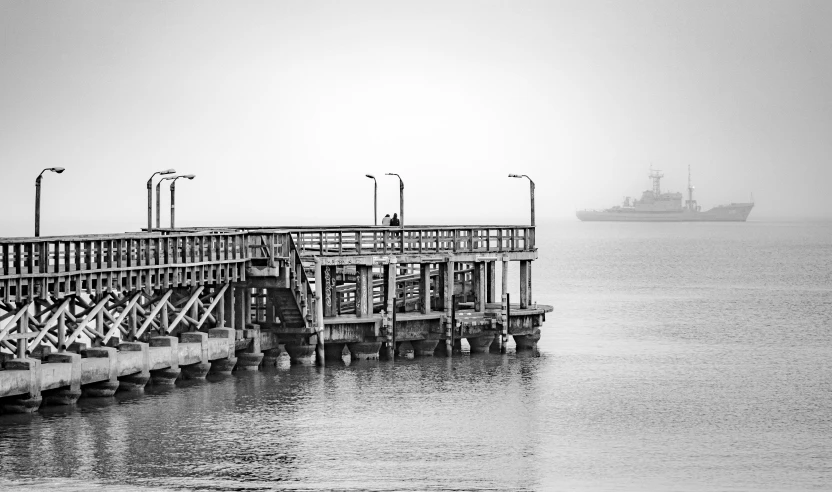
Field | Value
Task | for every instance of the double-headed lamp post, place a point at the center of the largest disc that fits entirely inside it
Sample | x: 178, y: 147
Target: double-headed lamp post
x: 531, y: 190
x: 150, y: 199
x: 58, y: 170
x: 159, y: 200
x: 401, y: 197
x: 375, y: 198
x: 172, y: 196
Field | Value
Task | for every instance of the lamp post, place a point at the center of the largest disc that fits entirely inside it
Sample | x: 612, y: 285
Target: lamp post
x: 58, y: 170
x: 172, y: 196
x: 401, y: 198
x: 375, y: 198
x: 150, y: 198
x: 159, y: 199
x: 531, y: 190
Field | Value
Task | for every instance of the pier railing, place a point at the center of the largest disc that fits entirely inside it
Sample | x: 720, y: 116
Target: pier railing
x: 413, y: 240
x: 62, y: 265
x: 379, y: 240
x: 75, y: 264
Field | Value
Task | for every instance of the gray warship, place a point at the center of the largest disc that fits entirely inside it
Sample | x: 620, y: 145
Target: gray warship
x: 656, y: 206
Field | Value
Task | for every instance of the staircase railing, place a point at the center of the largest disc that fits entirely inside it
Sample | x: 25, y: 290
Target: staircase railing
x: 276, y: 249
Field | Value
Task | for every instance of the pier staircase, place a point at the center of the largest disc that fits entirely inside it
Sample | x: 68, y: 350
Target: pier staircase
x: 274, y: 256
x: 290, y: 312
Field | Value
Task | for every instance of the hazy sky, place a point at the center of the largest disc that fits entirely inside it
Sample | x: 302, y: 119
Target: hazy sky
x: 281, y: 107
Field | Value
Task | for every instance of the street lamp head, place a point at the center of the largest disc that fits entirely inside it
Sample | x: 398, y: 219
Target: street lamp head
x: 370, y: 176
x: 514, y: 176
x: 58, y: 170
x: 189, y: 176
x: 168, y: 171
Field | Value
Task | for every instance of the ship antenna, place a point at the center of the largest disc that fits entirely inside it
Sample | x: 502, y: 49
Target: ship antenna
x: 690, y: 191
x: 656, y: 176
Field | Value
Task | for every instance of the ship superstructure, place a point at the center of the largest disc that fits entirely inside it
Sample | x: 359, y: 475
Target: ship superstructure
x: 655, y: 206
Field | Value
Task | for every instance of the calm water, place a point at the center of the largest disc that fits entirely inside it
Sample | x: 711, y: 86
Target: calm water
x: 679, y: 357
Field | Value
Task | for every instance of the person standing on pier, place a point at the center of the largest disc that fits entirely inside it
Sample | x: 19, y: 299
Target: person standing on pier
x: 395, y: 220
x: 386, y: 220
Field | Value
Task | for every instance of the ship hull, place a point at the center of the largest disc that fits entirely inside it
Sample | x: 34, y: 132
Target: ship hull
x: 736, y: 212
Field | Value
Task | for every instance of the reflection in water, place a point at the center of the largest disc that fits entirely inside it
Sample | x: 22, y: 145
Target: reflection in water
x: 364, y: 425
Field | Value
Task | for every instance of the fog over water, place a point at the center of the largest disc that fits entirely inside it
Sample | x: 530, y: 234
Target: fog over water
x: 276, y: 104
x: 678, y: 357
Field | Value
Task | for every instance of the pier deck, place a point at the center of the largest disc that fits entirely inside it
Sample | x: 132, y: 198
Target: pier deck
x: 96, y: 313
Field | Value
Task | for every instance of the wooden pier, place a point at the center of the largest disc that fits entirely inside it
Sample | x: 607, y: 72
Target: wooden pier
x: 90, y: 315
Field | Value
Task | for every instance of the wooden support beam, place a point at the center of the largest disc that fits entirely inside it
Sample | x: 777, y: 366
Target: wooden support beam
x: 247, y: 306
x: 319, y: 314
x: 329, y: 294
x: 133, y: 322
x: 240, y: 307
x: 60, y: 343
x: 363, y: 291
x: 228, y: 301
x: 449, y: 302
x: 491, y: 281
x: 162, y: 306
x: 82, y: 325
x: 221, y: 305
x: 217, y: 298
x: 54, y: 318
x: 15, y: 320
x: 504, y: 287
x: 424, y: 287
x: 124, y: 313
x: 525, y: 284
x: 184, y: 311
x: 479, y: 286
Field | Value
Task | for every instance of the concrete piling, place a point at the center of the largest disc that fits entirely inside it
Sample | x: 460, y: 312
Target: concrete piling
x: 527, y: 342
x: 21, y: 374
x: 226, y: 364
x: 98, y: 362
x: 302, y: 354
x: 405, y: 350
x: 250, y: 358
x: 424, y: 348
x: 134, y: 363
x: 164, y: 354
x: 271, y: 356
x: 480, y: 344
x: 196, y: 370
x: 334, y: 351
x: 70, y: 390
x: 367, y: 350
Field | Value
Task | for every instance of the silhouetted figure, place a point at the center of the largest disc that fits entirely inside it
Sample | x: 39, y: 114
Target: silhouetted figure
x: 386, y: 220
x: 395, y: 220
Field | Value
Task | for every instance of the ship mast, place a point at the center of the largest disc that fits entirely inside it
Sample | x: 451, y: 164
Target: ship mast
x: 691, y: 203
x: 656, y: 176
x: 690, y: 191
